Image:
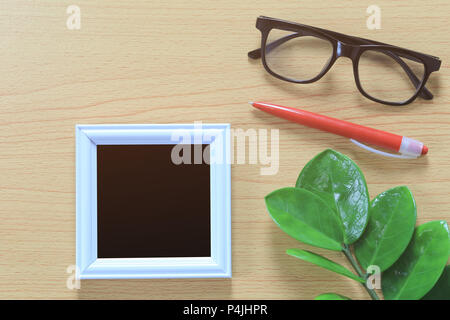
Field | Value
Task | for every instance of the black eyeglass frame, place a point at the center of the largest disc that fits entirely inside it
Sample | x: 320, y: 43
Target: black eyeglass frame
x: 348, y: 46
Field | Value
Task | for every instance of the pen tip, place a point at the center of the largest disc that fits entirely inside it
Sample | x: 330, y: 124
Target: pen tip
x: 251, y: 102
x: 424, y: 150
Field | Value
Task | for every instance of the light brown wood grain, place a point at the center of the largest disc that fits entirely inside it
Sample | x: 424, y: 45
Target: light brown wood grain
x: 184, y: 61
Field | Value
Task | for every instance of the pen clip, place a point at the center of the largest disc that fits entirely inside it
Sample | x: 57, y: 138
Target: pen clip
x: 382, y: 153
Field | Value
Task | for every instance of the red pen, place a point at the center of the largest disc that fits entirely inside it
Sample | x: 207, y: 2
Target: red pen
x: 407, y: 147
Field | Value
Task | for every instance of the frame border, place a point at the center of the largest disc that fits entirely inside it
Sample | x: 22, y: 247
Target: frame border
x: 89, y: 266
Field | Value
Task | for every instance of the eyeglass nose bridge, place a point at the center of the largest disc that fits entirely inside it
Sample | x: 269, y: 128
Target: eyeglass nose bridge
x: 345, y: 50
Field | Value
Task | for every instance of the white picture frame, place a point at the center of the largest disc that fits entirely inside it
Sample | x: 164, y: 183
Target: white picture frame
x: 89, y: 266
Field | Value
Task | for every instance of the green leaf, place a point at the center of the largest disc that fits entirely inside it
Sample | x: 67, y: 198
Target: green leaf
x: 305, y: 217
x: 421, y: 265
x: 441, y: 291
x: 390, y: 228
x: 324, y: 263
x: 331, y: 296
x: 338, y: 180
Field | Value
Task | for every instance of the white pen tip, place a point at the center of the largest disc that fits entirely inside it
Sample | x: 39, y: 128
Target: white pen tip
x: 251, y: 102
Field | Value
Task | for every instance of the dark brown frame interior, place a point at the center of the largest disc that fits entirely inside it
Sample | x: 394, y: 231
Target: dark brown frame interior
x: 150, y: 207
x: 346, y: 46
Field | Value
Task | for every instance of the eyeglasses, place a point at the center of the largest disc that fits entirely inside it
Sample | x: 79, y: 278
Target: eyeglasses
x: 303, y: 54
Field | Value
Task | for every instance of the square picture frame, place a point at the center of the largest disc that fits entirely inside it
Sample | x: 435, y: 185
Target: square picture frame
x: 89, y: 266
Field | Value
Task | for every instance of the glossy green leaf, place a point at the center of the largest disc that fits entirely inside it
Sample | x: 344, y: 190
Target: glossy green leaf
x: 441, y: 290
x: 305, y: 217
x: 420, y: 266
x: 338, y: 180
x: 324, y: 263
x: 331, y: 296
x: 390, y: 228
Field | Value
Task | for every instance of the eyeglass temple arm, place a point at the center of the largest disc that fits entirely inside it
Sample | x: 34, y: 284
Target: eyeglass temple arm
x: 424, y: 93
x: 256, y: 54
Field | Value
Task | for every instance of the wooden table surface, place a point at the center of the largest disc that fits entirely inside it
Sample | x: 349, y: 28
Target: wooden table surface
x: 184, y: 61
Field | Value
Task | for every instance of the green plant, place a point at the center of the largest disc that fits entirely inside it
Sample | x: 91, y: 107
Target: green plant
x: 330, y: 208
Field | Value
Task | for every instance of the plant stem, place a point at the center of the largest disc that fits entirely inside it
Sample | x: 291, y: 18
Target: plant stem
x: 358, y: 270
